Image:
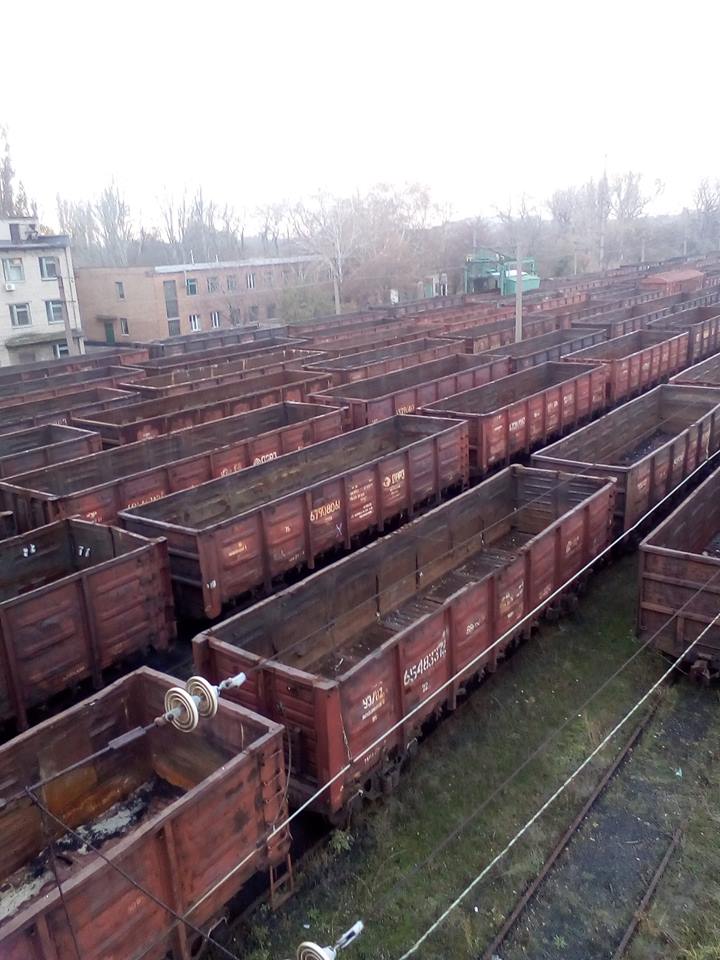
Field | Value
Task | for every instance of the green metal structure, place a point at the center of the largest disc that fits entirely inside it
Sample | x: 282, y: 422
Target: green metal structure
x: 487, y: 269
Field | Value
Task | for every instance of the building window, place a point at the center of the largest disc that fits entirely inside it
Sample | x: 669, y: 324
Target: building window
x: 61, y: 350
x: 213, y: 284
x: 20, y: 314
x: 250, y: 280
x: 171, y: 301
x: 195, y: 322
x: 13, y: 270
x: 55, y: 310
x: 120, y: 289
x: 48, y: 268
x: 174, y: 328
x: 191, y: 287
x: 235, y: 316
x: 124, y: 327
x: 232, y: 282
x: 215, y: 318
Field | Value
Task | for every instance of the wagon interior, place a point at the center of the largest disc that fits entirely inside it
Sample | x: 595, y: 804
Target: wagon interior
x: 223, y: 499
x: 231, y: 351
x: 42, y: 436
x: 687, y: 318
x: 500, y: 393
x: 182, y: 374
x: 143, y: 409
x: 103, y: 800
x: 334, y: 620
x: 83, y: 398
x: 59, y: 550
x: 124, y: 461
x: 419, y: 373
x: 381, y: 353
x: 706, y: 373
x: 524, y: 348
x: 695, y: 526
x: 623, y: 346
x: 628, y: 434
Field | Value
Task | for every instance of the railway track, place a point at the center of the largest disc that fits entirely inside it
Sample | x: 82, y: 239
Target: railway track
x: 618, y: 846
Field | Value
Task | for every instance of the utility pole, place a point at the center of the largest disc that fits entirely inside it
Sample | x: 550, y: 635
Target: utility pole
x: 518, y: 290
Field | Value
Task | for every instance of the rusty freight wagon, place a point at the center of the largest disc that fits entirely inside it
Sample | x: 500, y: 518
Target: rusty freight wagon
x: 244, y: 532
x: 40, y: 369
x: 124, y: 377
x: 342, y: 346
x: 182, y: 380
x: 347, y: 653
x: 512, y: 416
x: 98, y: 487
x: 705, y: 374
x: 38, y: 447
x: 648, y: 446
x: 373, y: 363
x: 75, y: 598
x: 550, y: 346
x: 62, y: 410
x: 405, y: 391
x: 482, y: 339
x: 230, y: 353
x: 637, y: 361
x: 176, y: 812
x: 153, y: 418
x: 679, y: 583
x: 703, y: 325
x: 188, y: 343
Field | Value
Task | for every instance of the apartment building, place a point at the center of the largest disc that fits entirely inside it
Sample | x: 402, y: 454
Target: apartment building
x: 145, y: 303
x: 39, y: 315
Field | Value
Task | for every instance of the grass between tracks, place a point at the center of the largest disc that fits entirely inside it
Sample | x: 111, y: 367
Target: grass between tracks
x: 355, y: 874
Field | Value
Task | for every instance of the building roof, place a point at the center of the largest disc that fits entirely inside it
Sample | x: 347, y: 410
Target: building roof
x: 220, y: 264
x: 38, y: 243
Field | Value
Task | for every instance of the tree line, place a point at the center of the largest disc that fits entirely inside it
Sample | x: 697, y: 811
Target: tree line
x: 387, y: 239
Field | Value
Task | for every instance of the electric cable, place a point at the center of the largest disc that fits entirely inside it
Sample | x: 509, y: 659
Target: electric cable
x: 551, y: 799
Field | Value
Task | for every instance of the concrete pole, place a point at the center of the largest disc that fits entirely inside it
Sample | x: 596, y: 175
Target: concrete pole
x: 518, y: 291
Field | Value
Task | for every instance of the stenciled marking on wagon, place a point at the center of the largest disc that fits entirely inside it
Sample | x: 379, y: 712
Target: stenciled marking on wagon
x: 427, y: 662
x: 373, y: 702
x: 325, y: 510
x: 265, y: 457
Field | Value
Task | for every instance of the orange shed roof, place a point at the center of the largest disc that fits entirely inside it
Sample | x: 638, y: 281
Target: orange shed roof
x: 674, y: 276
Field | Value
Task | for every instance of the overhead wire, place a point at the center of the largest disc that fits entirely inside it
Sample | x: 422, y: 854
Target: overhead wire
x: 183, y: 918
x: 553, y: 797
x: 46, y: 812
x: 378, y: 742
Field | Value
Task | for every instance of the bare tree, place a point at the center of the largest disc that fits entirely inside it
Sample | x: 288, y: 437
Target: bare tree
x: 112, y: 213
x: 273, y: 218
x: 707, y: 212
x: 329, y: 228
x: 13, y: 199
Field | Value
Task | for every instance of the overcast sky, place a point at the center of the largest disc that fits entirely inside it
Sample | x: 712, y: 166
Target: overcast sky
x: 260, y: 101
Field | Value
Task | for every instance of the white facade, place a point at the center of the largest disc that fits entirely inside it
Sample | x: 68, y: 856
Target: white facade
x: 38, y: 303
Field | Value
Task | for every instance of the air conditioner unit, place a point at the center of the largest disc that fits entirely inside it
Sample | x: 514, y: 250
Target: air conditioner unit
x: 9, y: 287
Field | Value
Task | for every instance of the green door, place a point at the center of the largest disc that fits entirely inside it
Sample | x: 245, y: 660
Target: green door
x: 109, y: 331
